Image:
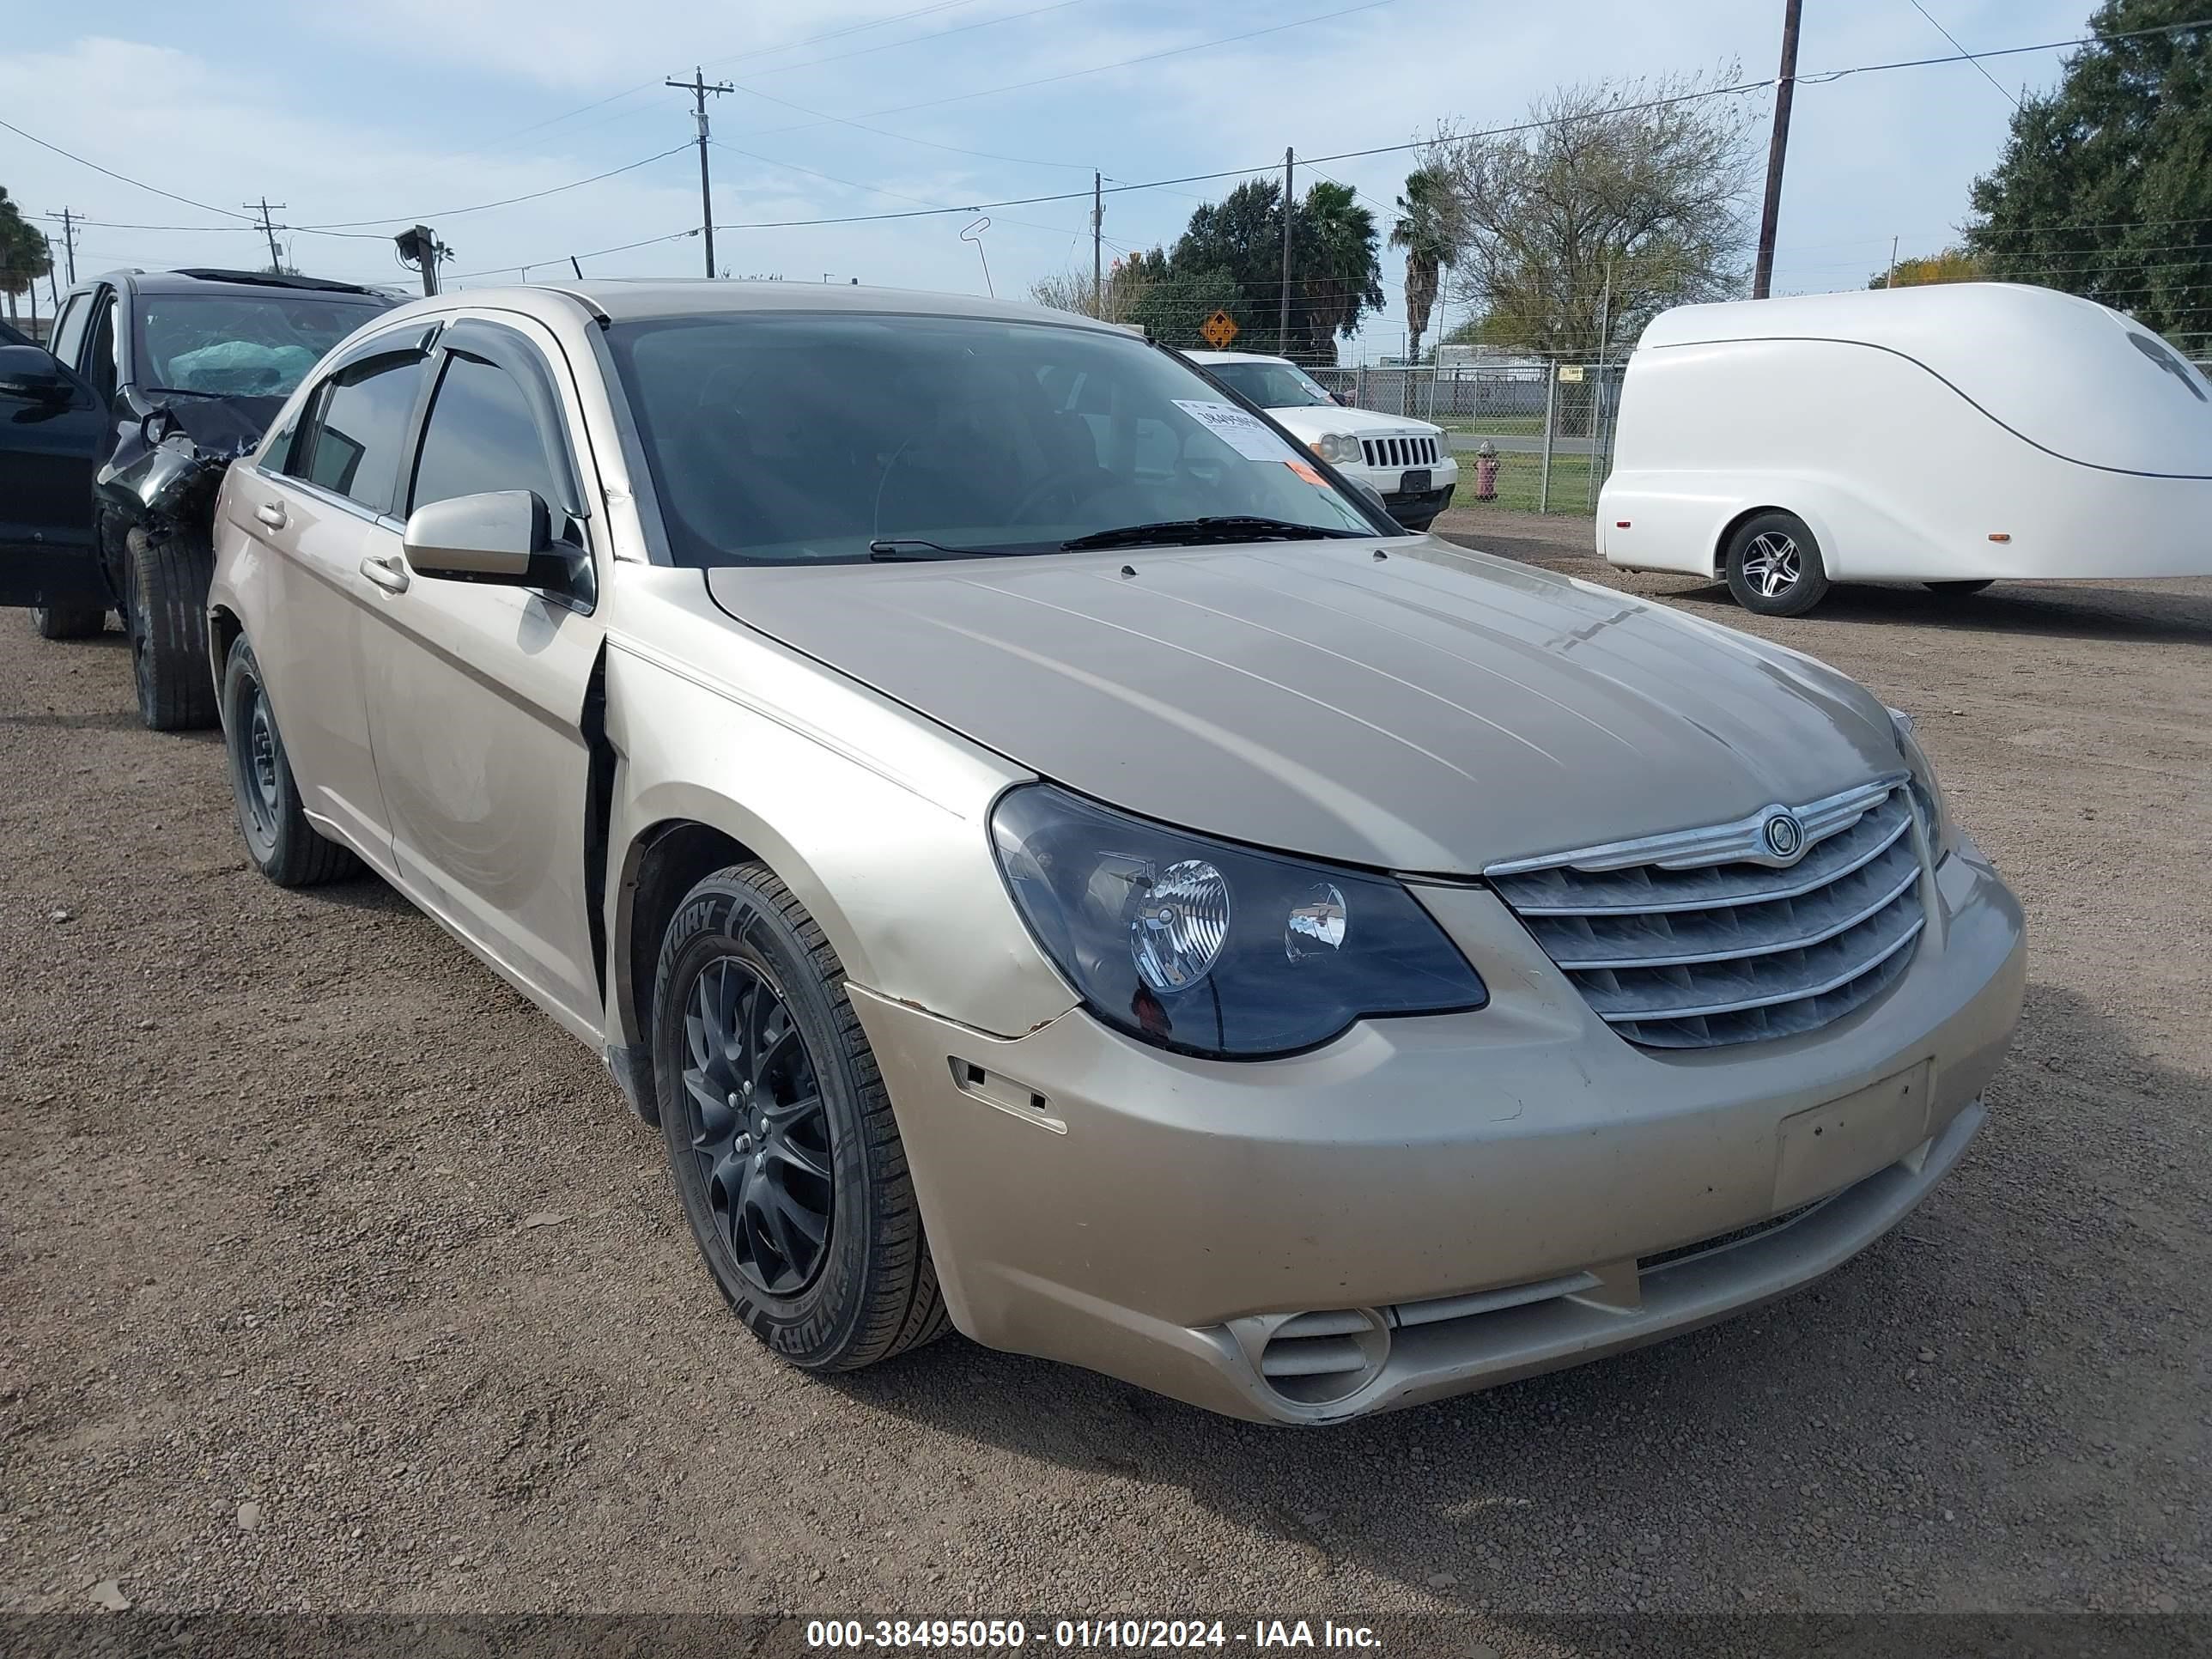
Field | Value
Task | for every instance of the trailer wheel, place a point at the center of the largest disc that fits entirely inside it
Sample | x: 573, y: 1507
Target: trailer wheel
x: 167, y: 625
x: 1958, y: 590
x: 1774, y: 565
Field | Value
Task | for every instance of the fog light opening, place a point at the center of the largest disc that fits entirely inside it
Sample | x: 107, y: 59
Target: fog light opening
x: 1320, y: 1358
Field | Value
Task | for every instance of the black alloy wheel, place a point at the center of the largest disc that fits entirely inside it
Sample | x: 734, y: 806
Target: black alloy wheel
x: 780, y: 1132
x: 759, y: 1129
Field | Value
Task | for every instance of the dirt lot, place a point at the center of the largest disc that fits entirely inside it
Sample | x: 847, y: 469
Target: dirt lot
x: 264, y: 1241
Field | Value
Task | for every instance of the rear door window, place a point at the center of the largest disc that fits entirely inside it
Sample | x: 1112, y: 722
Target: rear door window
x: 357, y: 426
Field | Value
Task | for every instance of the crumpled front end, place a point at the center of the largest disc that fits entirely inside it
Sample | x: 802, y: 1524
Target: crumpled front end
x: 169, y: 461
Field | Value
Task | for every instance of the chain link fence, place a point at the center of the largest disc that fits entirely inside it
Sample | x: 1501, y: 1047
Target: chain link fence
x: 1550, y: 427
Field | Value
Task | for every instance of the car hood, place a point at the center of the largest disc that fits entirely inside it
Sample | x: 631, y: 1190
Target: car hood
x: 1311, y: 421
x: 1429, y: 711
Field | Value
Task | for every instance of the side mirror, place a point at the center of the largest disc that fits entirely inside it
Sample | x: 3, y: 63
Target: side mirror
x: 1371, y: 496
x: 496, y: 536
x: 32, y: 375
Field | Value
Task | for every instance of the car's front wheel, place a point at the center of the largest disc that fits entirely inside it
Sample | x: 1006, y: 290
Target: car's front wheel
x: 168, y: 623
x: 780, y: 1132
x: 1774, y: 566
x: 282, y: 844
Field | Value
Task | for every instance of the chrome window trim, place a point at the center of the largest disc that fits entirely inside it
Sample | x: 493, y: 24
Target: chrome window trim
x: 1740, y: 842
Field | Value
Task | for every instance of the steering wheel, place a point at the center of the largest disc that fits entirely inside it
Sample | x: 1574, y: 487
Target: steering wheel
x: 1074, y: 479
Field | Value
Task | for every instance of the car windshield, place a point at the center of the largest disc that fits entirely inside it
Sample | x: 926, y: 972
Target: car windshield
x: 1271, y: 386
x: 239, y: 345
x: 783, y: 438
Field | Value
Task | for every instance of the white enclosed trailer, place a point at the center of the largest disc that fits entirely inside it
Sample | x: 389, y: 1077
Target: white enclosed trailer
x: 1953, y: 435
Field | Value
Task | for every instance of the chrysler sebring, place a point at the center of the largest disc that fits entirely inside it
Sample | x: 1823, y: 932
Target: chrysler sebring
x: 1058, y: 863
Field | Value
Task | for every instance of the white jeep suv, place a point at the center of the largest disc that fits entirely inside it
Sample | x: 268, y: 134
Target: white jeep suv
x: 1409, y: 461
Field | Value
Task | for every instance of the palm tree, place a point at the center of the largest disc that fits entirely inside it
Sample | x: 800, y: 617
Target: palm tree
x: 24, y: 257
x: 1341, y: 276
x: 1420, y: 231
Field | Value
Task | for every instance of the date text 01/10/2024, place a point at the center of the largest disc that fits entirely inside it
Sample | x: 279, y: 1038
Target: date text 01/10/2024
x: 1002, y: 1634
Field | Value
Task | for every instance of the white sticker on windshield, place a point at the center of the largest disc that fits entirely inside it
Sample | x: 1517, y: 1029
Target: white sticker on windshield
x: 1245, y: 434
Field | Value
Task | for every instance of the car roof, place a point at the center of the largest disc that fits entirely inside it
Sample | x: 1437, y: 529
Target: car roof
x: 199, y: 278
x: 628, y: 300
x: 1210, y: 357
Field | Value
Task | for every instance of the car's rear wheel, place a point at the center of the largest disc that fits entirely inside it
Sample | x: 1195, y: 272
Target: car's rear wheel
x: 780, y: 1132
x: 282, y: 844
x: 167, y: 621
x: 1774, y: 565
x: 68, y: 622
x: 1958, y: 590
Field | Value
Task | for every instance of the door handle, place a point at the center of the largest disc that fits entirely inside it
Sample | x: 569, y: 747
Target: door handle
x: 271, y: 513
x: 388, y: 572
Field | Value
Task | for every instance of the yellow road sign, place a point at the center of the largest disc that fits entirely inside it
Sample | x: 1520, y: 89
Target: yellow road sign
x: 1218, y: 330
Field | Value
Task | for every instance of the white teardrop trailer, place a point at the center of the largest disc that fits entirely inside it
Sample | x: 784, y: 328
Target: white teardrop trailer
x: 1952, y: 435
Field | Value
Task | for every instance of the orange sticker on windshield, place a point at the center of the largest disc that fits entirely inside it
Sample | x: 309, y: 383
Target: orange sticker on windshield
x: 1308, y: 474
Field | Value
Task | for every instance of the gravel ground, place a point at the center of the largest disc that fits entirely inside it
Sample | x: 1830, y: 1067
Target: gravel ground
x: 335, y: 1277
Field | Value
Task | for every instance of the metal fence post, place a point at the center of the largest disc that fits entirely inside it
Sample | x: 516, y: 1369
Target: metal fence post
x: 1551, y: 408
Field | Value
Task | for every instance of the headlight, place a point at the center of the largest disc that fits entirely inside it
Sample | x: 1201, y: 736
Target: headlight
x: 1927, y: 794
x: 1201, y: 947
x: 1337, y: 448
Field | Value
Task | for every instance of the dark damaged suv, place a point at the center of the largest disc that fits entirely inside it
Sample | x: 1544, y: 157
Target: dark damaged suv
x: 111, y: 447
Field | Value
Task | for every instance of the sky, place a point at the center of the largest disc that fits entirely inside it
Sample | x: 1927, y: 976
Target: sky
x: 367, y: 117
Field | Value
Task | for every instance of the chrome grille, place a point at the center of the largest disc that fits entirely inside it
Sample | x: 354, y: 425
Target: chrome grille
x: 1707, y: 936
x: 1399, y: 451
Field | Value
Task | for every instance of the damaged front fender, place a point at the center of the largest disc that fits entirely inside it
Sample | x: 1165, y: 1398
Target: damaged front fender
x: 168, y: 462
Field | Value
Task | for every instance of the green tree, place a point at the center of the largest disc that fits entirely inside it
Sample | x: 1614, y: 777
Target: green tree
x: 1239, y: 237
x: 1339, y: 277
x: 1953, y: 264
x: 1174, y: 301
x: 2105, y: 187
x: 1420, y: 232
x: 1612, y: 202
x: 24, y: 259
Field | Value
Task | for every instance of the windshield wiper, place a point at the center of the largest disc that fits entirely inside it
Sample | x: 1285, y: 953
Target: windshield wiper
x: 1173, y: 533
x: 892, y: 550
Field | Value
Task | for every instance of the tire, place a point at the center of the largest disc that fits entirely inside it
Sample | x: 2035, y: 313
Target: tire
x: 1774, y: 566
x: 1418, y: 526
x: 283, y: 846
x: 68, y: 622
x: 814, y: 1239
x: 167, y: 623
x: 1958, y: 590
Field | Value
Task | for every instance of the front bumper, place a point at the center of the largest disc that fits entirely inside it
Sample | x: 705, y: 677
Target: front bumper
x: 1430, y: 1205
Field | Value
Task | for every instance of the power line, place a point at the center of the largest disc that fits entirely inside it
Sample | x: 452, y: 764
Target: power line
x: 1954, y: 40
x: 510, y: 201
x: 135, y: 184
x: 596, y: 253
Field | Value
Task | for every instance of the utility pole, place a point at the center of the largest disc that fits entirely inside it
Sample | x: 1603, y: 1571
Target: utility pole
x: 698, y: 86
x: 1283, y: 314
x: 1786, y: 86
x: 1098, y: 237
x: 68, y: 218
x: 276, y: 260
x: 1890, y: 281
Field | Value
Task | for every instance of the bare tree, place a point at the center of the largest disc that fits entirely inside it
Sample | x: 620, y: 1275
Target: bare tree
x: 1619, y: 200
x: 1072, y: 290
